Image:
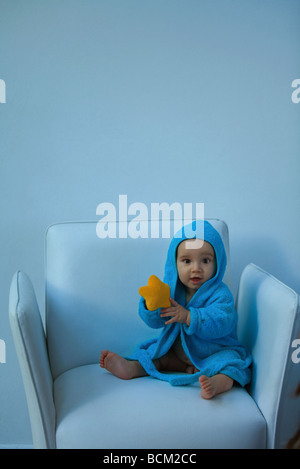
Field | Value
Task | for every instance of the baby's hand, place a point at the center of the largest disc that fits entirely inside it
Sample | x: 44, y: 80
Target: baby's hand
x: 178, y: 313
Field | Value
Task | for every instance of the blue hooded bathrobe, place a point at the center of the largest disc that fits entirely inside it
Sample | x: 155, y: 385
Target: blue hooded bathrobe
x: 210, y: 342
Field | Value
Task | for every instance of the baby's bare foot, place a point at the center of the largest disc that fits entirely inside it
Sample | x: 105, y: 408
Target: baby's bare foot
x: 119, y: 366
x: 214, y: 385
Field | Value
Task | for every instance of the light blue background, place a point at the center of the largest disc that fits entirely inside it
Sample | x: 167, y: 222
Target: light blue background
x: 162, y: 100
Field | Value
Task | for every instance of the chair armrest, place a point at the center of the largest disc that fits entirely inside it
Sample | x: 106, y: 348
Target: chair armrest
x: 268, y: 323
x: 30, y: 344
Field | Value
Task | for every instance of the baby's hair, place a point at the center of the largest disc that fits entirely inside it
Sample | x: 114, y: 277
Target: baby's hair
x: 186, y: 239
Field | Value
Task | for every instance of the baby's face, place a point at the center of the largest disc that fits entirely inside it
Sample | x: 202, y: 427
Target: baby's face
x: 197, y: 265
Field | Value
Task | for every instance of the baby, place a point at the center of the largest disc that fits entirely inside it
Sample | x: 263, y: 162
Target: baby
x: 198, y: 339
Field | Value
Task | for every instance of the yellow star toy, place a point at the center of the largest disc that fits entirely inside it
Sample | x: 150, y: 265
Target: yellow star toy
x: 156, y: 294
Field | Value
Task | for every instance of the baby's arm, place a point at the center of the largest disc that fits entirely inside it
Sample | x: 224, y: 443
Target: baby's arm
x: 215, y: 318
x: 213, y: 321
x: 151, y: 318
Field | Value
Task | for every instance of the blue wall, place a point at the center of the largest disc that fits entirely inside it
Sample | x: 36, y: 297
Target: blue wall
x: 162, y: 100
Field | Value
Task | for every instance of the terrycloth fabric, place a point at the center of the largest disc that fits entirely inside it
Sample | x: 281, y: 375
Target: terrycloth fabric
x: 210, y: 342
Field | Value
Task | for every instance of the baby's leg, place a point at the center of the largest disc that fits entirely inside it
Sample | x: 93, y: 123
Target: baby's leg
x: 120, y: 367
x: 171, y: 362
x: 214, y: 385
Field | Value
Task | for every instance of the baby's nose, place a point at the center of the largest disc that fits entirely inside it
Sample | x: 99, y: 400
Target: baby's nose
x: 196, y: 267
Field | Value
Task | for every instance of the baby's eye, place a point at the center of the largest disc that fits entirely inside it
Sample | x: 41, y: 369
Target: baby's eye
x: 186, y: 261
x: 206, y: 261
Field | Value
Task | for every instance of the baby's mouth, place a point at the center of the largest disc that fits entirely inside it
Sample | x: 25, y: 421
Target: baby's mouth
x: 196, y: 280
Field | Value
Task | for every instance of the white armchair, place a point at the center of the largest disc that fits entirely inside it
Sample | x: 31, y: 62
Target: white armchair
x: 91, y: 304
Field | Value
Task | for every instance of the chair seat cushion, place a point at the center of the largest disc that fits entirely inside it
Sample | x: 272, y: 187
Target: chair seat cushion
x: 98, y: 410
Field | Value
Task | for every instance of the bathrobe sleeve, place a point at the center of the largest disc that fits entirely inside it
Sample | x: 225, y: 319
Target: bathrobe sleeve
x: 151, y: 318
x: 218, y: 318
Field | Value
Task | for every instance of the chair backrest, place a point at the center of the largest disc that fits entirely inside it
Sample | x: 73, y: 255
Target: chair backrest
x: 92, y: 291
x: 269, y: 322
